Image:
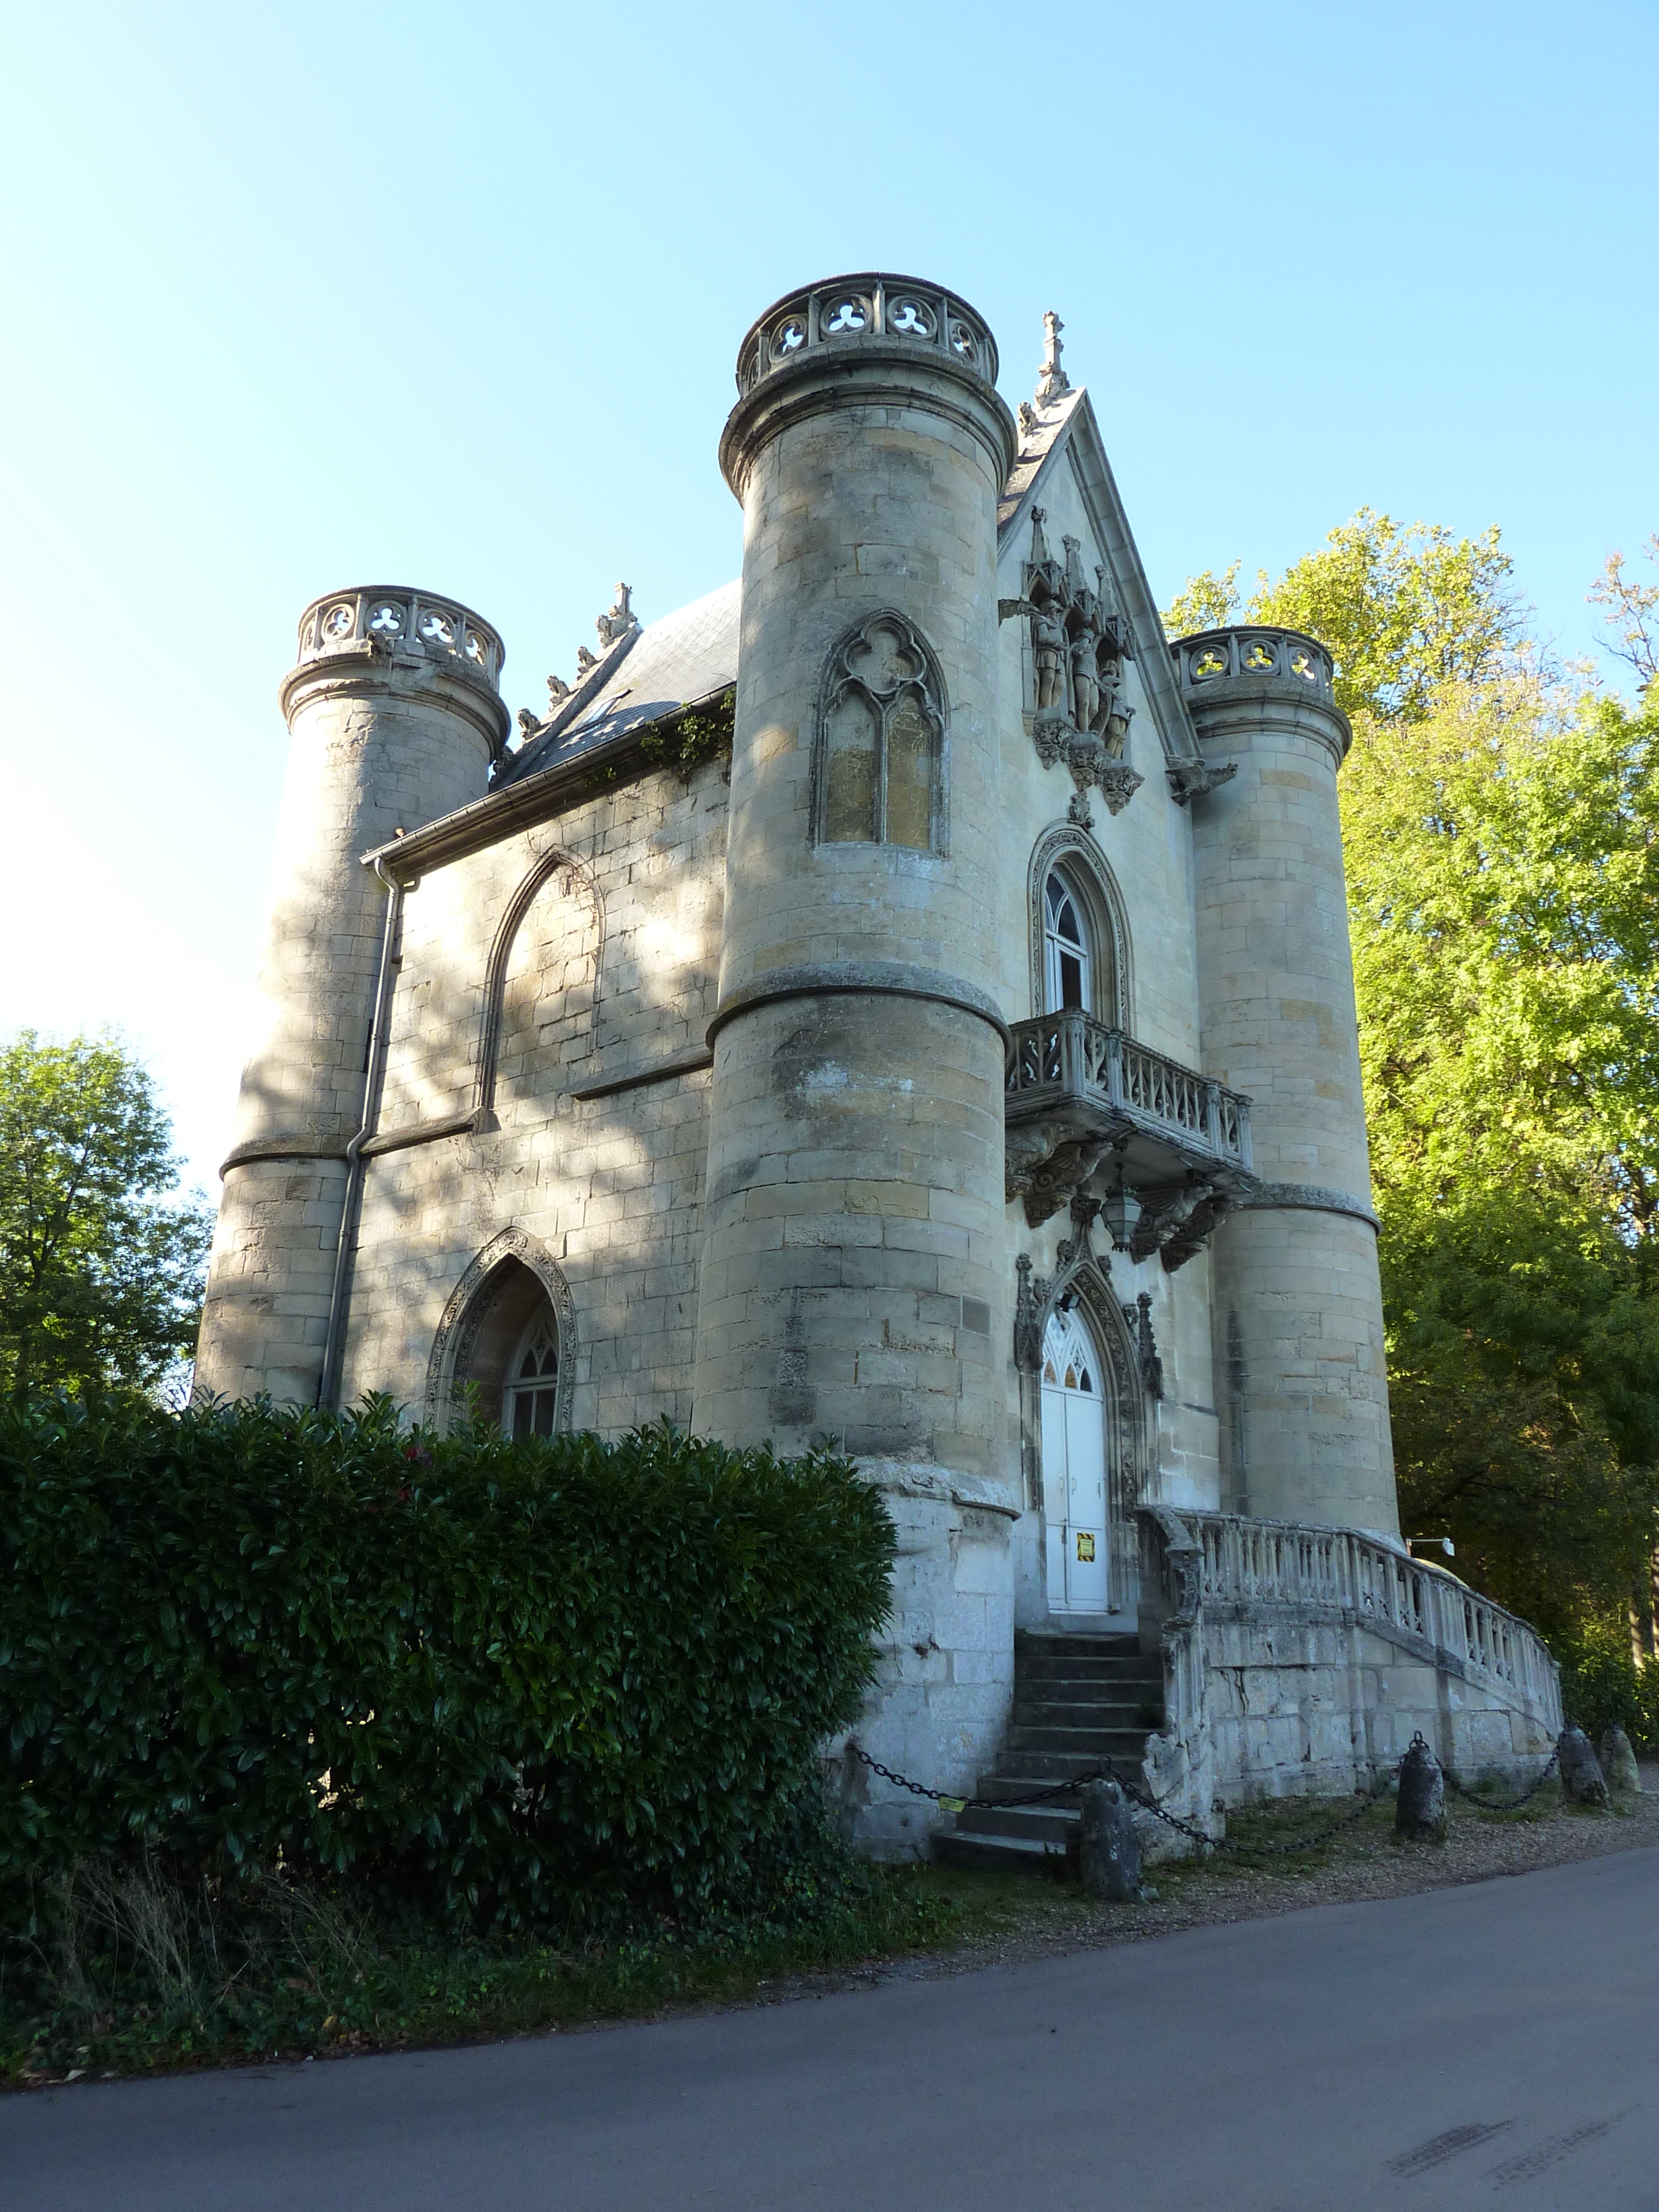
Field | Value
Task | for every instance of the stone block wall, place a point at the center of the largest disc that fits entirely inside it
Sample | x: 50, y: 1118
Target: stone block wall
x: 611, y: 972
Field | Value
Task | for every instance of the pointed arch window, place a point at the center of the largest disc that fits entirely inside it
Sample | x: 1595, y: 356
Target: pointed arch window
x: 531, y: 1394
x: 880, y: 766
x: 1067, y: 954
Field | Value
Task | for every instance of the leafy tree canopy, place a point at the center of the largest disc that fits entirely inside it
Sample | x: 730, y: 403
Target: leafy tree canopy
x: 1502, y: 843
x: 1405, y: 610
x: 100, y: 1268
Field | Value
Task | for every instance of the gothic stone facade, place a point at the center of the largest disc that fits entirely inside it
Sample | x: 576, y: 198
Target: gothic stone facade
x: 964, y: 1067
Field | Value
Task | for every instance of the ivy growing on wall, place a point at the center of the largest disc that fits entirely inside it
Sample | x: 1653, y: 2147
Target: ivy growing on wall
x: 685, y: 740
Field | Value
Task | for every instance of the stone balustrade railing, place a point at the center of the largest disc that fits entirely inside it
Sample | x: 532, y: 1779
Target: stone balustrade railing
x: 1304, y: 1658
x: 1279, y: 1562
x: 1252, y: 652
x: 414, y: 622
x: 855, y: 310
x: 1071, y: 1057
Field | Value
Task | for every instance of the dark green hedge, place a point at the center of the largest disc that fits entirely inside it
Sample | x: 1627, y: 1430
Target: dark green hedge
x: 503, y: 1679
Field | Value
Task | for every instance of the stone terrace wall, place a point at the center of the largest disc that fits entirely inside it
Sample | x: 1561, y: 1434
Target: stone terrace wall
x: 1302, y: 1661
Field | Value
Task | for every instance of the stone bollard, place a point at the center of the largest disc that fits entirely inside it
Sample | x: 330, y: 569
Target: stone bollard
x: 1583, y: 1781
x: 1420, y: 1808
x: 1619, y: 1762
x: 1111, y: 1851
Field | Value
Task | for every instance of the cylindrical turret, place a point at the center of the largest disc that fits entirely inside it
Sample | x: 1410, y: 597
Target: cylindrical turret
x: 852, y: 1281
x: 1298, y: 1305
x: 394, y: 713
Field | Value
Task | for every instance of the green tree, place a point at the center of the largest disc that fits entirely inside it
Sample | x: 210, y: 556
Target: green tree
x: 101, y: 1266
x: 1502, y: 843
x: 1405, y: 610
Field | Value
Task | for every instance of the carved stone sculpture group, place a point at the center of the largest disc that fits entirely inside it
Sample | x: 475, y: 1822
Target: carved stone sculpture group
x: 1080, y: 642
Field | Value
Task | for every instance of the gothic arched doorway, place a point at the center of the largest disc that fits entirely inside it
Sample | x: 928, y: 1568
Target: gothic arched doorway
x: 1077, y: 1408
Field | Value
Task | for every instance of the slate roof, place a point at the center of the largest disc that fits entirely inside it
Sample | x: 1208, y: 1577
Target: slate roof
x: 688, y: 655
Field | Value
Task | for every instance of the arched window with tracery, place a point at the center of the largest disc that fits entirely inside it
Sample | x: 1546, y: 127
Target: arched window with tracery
x: 1079, y: 934
x: 1067, y: 954
x: 531, y: 1393
x: 880, y: 763
x: 505, y: 1347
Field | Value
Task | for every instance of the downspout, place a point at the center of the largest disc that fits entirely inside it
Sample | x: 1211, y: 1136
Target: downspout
x: 340, y: 1295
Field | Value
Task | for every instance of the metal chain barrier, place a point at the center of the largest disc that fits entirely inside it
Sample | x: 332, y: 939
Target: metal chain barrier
x: 1506, y: 1804
x: 1107, y: 1773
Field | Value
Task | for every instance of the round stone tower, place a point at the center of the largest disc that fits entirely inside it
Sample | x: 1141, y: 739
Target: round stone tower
x: 852, y: 1282
x: 1297, y: 1302
x: 394, y: 715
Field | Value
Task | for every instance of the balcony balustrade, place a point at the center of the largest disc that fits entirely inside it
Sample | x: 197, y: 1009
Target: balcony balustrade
x: 1084, y: 1101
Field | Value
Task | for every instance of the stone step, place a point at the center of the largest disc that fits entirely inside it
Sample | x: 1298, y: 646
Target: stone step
x: 996, y: 1854
x: 1063, y: 1667
x: 1038, y: 1708
x: 1053, y: 1643
x: 1033, y: 1766
x: 1052, y: 1821
x: 1092, y: 1742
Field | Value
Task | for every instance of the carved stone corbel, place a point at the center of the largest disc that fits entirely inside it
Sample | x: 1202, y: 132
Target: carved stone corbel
x: 1118, y: 784
x: 1184, y: 1224
x: 1046, y: 1163
x: 1190, y: 780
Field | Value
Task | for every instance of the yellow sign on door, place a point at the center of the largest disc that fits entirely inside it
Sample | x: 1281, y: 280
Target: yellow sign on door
x: 1085, y: 1545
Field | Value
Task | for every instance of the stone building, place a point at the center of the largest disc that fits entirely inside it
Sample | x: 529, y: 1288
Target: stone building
x: 959, y: 1063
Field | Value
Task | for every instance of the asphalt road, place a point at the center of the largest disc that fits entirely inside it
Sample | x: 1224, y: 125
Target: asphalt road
x: 1495, y: 2044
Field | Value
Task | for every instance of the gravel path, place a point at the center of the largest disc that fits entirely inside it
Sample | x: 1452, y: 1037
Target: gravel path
x: 1365, y: 1861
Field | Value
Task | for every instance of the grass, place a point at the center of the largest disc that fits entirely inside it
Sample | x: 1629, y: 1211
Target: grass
x: 129, y: 1973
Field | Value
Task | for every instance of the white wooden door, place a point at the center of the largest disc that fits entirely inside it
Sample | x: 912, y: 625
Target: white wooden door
x: 1074, y: 1468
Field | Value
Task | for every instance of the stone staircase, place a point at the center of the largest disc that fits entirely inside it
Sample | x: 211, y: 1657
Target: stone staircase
x: 1078, y: 1700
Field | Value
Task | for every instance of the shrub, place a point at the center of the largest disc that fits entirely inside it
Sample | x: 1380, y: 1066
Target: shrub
x: 1603, y: 1685
x: 500, y: 1678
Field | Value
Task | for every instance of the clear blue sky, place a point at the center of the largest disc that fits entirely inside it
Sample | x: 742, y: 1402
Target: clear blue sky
x: 299, y: 297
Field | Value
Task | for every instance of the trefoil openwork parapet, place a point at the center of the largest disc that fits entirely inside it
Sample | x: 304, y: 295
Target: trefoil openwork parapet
x: 386, y: 619
x: 1254, y: 654
x: 871, y: 308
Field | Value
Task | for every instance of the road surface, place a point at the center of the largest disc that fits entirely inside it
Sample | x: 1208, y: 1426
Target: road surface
x: 1497, y: 2043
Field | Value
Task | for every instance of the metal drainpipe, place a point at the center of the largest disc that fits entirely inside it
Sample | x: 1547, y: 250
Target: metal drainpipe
x: 338, y: 1301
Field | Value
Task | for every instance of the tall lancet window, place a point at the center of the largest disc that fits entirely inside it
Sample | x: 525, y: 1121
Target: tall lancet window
x: 1066, y: 960
x: 533, y: 1382
x: 880, y: 764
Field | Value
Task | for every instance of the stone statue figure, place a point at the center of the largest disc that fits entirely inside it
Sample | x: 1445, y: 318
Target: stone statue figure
x: 1048, y: 643
x: 1085, y: 679
x: 557, y: 692
x: 585, y: 663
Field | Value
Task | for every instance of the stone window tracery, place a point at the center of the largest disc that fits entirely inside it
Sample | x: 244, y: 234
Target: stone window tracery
x: 532, y: 1389
x: 1068, y: 958
x: 881, y: 739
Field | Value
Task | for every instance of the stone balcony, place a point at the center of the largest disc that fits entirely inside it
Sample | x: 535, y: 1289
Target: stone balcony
x: 1082, y: 1100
